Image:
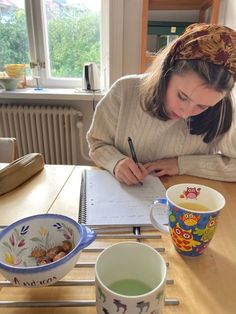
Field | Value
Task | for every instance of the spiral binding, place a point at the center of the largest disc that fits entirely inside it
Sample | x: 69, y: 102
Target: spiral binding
x: 83, y: 200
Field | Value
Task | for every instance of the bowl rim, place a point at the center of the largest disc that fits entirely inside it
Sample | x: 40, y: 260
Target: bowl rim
x: 36, y: 269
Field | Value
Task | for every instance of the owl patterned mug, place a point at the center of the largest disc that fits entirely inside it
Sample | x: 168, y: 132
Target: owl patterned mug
x: 130, y: 278
x: 193, y: 214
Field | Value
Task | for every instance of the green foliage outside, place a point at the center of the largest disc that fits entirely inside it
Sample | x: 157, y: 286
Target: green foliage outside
x: 13, y: 38
x: 74, y: 39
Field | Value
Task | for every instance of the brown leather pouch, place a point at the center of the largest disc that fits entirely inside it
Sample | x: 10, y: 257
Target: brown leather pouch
x: 19, y: 171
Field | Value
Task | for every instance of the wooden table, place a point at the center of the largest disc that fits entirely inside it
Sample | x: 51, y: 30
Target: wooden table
x: 203, y: 285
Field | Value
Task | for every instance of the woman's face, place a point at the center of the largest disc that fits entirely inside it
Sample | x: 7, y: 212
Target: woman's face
x: 187, y: 96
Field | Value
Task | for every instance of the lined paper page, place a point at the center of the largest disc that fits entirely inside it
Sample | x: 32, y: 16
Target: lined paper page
x: 109, y: 202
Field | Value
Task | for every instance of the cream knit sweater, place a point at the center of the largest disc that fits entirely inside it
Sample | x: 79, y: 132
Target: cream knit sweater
x: 119, y: 115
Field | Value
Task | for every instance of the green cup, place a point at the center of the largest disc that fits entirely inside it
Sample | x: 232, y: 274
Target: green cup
x: 130, y: 278
x: 9, y: 83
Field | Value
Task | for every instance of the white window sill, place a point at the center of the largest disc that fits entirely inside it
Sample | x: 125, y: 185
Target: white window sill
x: 52, y: 93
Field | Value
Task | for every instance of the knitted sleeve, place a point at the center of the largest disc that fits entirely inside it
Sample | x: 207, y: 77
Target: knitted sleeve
x: 220, y: 164
x: 102, y: 131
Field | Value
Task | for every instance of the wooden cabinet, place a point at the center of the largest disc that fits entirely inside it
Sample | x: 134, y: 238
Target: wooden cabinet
x: 177, y: 5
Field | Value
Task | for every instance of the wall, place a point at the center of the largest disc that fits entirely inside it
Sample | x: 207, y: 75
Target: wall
x: 227, y: 17
x: 132, y: 36
x: 228, y: 13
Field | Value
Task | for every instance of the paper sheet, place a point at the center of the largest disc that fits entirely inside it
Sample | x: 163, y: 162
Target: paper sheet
x: 109, y: 202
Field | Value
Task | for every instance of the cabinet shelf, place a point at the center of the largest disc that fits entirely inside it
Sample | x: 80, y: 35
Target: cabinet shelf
x: 158, y: 5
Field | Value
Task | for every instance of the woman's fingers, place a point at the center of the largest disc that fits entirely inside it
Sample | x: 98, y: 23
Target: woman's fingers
x: 163, y: 167
x: 128, y: 172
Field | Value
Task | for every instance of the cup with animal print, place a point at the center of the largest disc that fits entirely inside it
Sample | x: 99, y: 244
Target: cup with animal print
x: 130, y: 278
x: 193, y: 214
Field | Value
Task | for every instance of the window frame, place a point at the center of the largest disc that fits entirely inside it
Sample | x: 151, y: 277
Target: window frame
x: 111, y: 28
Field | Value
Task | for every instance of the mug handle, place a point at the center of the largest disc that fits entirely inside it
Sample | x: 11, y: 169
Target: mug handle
x: 159, y: 202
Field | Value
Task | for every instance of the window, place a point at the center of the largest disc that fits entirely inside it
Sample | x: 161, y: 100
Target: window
x: 73, y: 34
x: 14, y: 46
x: 55, y: 36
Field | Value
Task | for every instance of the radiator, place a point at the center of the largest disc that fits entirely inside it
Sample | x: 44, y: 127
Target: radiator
x: 49, y: 130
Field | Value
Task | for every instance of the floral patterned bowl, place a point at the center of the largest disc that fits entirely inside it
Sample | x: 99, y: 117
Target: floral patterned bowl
x: 41, y: 233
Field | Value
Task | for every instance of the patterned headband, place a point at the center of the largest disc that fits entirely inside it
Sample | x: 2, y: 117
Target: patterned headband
x: 209, y: 42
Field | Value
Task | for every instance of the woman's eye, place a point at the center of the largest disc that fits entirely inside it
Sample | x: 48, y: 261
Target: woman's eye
x: 181, y: 97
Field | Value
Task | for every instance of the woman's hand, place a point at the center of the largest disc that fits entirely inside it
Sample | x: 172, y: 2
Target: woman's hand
x: 163, y: 167
x: 128, y: 172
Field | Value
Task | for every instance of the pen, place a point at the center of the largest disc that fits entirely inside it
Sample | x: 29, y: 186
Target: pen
x: 133, y: 153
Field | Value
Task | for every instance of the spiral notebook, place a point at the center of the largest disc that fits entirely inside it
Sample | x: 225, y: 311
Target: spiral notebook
x: 105, y: 202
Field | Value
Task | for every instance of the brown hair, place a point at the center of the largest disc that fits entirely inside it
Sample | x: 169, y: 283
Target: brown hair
x: 211, y: 123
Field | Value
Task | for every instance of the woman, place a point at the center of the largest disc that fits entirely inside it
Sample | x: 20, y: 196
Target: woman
x: 180, y: 114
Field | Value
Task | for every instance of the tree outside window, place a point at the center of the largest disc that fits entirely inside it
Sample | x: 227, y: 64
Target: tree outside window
x: 73, y: 35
